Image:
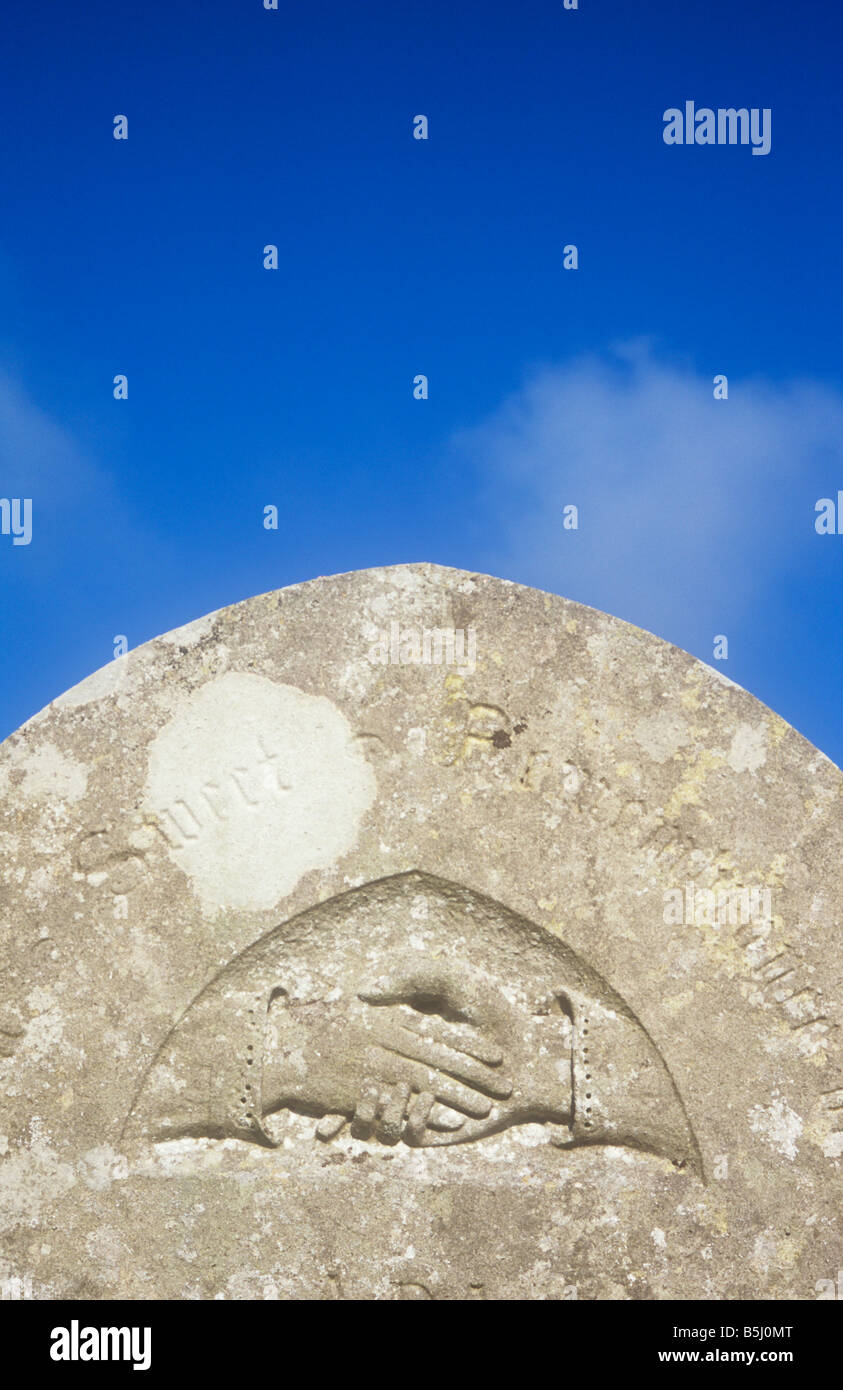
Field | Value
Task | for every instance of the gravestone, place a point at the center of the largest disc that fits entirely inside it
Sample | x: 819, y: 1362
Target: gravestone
x: 414, y: 934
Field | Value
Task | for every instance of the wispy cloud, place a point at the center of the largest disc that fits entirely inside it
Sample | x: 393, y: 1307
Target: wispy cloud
x: 687, y: 504
x: 37, y: 453
x: 79, y: 514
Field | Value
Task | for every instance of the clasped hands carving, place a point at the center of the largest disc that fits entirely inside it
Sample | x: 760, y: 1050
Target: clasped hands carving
x: 428, y: 1052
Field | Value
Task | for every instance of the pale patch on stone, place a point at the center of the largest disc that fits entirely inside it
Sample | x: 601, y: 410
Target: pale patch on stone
x: 778, y: 1125
x: 39, y: 886
x: 832, y: 1145
x: 763, y: 1252
x: 749, y: 748
x: 48, y: 775
x: 108, y: 680
x: 44, y: 1033
x: 416, y: 742
x: 599, y: 647
x: 102, y: 1166
x: 255, y: 784
x: 661, y: 735
x: 31, y: 1180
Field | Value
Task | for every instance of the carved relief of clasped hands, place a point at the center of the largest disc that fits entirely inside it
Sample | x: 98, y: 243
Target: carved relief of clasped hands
x: 428, y: 1052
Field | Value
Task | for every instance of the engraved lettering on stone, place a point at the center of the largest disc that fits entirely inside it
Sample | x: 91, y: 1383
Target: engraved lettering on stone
x: 251, y: 786
x: 832, y: 1103
x: 116, y: 858
x: 11, y: 1032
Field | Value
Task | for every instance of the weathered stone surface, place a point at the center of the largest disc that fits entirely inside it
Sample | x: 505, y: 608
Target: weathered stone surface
x: 329, y: 976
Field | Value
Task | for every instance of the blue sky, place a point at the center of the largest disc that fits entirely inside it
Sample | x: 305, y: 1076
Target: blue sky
x: 293, y: 387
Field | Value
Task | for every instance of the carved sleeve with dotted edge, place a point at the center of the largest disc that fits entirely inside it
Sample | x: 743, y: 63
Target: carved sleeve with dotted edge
x: 206, y: 1077
x: 622, y: 1090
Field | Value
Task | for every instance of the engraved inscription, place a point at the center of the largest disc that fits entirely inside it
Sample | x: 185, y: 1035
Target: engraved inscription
x: 246, y: 787
x: 245, y: 764
x: 11, y: 1032
x: 116, y: 858
x: 781, y: 975
x: 832, y: 1104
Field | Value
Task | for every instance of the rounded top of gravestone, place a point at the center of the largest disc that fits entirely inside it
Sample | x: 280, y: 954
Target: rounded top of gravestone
x: 413, y: 933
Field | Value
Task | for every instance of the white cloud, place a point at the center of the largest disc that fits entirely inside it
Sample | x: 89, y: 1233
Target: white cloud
x: 78, y: 513
x: 687, y: 504
x: 38, y: 456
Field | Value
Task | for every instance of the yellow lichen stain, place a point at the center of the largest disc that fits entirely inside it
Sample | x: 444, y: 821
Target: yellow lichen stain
x: 776, y: 872
x: 720, y: 1221
x: 625, y: 769
x: 692, y: 782
x: 776, y: 728
x: 788, y: 1251
x: 476, y: 731
x: 690, y: 698
x: 586, y: 721
x: 492, y: 712
x: 720, y: 940
x: 470, y: 742
x: 571, y: 625
x: 455, y: 686
x: 497, y: 658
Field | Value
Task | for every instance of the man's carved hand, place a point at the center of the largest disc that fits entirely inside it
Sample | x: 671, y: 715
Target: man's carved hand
x: 428, y: 1052
x: 534, y: 1046
x: 347, y: 1060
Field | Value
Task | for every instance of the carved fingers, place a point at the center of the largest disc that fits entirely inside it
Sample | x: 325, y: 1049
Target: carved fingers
x: 460, y: 1067
x: 390, y: 1113
x: 380, y: 1112
x: 455, y: 1072
x: 423, y: 1075
x: 421, y: 1050
x: 461, y: 1038
x: 418, y: 1116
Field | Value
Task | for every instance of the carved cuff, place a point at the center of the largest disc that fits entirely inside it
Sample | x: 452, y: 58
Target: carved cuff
x: 206, y: 1078
x: 622, y: 1090
x: 246, y: 1112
